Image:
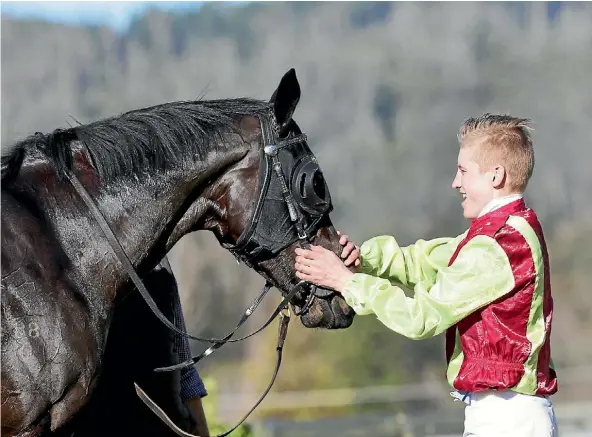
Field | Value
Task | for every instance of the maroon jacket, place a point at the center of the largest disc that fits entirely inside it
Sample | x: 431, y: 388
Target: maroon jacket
x: 505, y: 345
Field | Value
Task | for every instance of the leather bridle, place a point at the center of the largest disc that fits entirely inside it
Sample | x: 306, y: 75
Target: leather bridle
x: 304, y: 218
x: 248, y: 250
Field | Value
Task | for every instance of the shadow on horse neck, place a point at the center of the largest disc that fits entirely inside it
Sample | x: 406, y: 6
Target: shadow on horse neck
x: 155, y: 175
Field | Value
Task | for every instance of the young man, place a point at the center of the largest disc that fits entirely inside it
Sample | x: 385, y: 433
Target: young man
x: 488, y: 289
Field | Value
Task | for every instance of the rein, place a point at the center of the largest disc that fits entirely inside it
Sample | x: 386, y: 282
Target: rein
x: 217, y: 343
x: 282, y: 332
x: 240, y: 252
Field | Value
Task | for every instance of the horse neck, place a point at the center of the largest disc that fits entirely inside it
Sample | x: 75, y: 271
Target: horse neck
x: 142, y: 212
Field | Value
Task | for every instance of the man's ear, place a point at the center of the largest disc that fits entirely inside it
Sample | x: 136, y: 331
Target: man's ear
x: 499, y: 176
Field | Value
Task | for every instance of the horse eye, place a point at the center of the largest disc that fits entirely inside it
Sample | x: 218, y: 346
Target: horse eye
x: 318, y: 184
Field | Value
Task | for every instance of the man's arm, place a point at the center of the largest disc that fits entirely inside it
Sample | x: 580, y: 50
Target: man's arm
x: 201, y: 427
x: 444, y: 295
x: 192, y: 386
x: 192, y: 391
x: 383, y: 257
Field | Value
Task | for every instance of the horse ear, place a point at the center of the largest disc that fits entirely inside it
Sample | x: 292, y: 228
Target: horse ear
x: 285, y: 98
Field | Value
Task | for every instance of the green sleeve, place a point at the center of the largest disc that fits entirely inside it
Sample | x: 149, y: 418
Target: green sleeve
x: 480, y: 274
x: 383, y: 257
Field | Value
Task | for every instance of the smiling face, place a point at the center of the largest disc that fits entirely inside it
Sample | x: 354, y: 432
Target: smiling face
x: 477, y: 187
x: 496, y: 159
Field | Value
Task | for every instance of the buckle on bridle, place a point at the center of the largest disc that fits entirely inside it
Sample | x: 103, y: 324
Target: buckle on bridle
x: 283, y: 327
x: 271, y: 149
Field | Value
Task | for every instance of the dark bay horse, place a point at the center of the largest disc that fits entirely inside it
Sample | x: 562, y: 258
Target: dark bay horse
x: 240, y: 168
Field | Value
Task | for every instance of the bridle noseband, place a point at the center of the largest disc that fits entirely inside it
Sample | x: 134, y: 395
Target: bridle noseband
x: 254, y: 245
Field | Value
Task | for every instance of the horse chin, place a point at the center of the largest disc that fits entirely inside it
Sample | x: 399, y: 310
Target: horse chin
x: 329, y: 313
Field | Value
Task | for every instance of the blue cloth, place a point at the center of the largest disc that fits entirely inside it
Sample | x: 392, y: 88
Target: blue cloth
x: 191, y: 383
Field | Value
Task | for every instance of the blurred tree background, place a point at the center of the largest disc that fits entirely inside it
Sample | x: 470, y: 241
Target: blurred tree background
x: 384, y: 88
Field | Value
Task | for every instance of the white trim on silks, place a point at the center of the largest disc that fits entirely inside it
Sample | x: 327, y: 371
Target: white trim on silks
x: 499, y: 202
x: 506, y: 413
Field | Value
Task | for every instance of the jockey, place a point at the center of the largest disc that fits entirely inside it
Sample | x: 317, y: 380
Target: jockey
x: 488, y: 289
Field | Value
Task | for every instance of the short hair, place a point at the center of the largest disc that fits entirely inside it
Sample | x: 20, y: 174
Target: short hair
x: 502, y: 139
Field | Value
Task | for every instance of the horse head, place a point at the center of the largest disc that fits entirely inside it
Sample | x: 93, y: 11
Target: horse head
x: 78, y: 202
x: 274, y: 200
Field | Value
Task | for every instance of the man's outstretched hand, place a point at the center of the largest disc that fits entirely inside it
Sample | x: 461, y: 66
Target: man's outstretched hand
x: 322, y: 267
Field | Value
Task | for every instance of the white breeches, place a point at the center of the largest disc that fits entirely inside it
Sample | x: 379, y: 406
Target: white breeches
x: 509, y: 414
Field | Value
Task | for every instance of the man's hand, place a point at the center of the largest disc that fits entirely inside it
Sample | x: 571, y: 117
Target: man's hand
x: 201, y: 426
x: 322, y: 267
x: 350, y: 253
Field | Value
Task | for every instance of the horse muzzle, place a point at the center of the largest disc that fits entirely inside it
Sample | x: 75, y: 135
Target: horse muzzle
x: 323, y: 308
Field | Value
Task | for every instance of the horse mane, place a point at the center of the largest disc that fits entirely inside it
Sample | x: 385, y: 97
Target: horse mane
x: 149, y: 138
